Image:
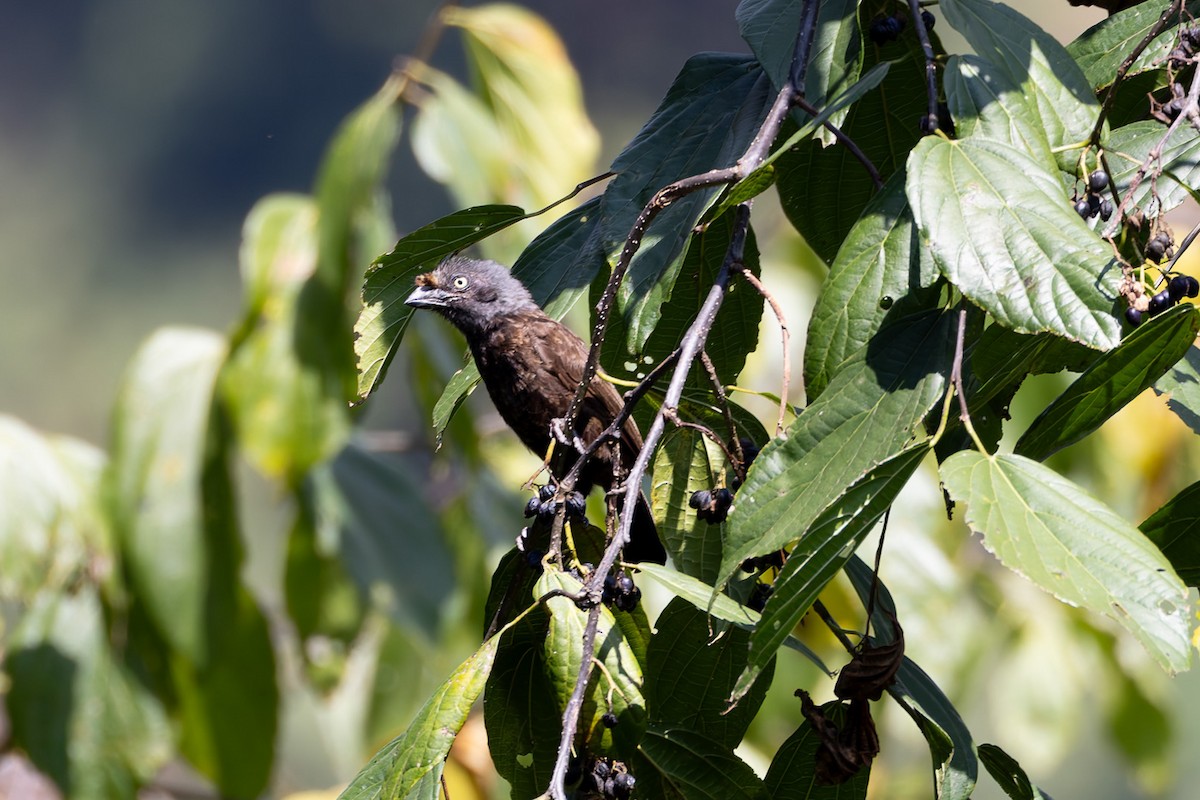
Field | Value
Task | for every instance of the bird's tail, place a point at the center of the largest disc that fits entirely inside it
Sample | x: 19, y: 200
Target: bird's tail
x: 644, y: 544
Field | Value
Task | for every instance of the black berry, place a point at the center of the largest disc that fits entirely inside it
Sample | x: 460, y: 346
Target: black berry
x: 1106, y: 209
x: 547, y: 492
x: 700, y: 499
x: 1193, y: 286
x: 609, y: 720
x: 929, y: 19
x: 1177, y: 288
x: 1133, y: 316
x: 1160, y: 303
x: 576, y: 506
x: 532, y: 507
x: 1098, y: 181
x: 1155, y: 250
x: 1083, y: 208
x: 622, y: 784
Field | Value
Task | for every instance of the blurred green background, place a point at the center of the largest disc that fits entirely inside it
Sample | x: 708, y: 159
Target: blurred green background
x: 135, y: 136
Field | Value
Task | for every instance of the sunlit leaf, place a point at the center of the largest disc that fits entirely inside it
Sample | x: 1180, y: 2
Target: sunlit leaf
x: 1001, y: 229
x: 410, y: 766
x: 1128, y: 148
x: 1181, y: 385
x: 1111, y: 382
x: 986, y: 103
x: 1103, y: 47
x: 879, y: 271
x: 1046, y: 528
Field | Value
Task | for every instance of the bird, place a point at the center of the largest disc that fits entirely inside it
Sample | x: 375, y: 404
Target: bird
x: 531, y: 365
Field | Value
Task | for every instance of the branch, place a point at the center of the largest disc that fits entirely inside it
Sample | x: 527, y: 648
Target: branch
x: 753, y: 280
x: 1111, y: 95
x: 930, y: 123
x: 1190, y: 110
x: 846, y: 141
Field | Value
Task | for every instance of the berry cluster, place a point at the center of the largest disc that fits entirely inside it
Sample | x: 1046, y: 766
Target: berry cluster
x: 543, y: 506
x: 887, y: 29
x: 1159, y: 247
x: 1178, y: 287
x: 712, y: 506
x: 608, y: 778
x: 1189, y: 43
x: 1092, y: 204
x: 621, y: 592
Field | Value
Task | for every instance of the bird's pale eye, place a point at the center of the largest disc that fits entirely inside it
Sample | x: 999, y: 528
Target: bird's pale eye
x: 460, y: 282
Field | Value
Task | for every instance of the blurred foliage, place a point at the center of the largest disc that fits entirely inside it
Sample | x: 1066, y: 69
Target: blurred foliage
x: 136, y: 639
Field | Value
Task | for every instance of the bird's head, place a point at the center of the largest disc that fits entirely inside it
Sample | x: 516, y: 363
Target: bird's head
x: 470, y: 293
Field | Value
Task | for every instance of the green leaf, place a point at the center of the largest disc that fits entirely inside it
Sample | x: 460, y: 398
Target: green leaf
x: 288, y: 405
x: 986, y: 103
x: 698, y: 767
x: 1005, y: 770
x: 720, y: 606
x: 82, y: 718
x: 1175, y: 530
x: 51, y: 528
x: 955, y: 769
x: 883, y: 125
x: 563, y: 658
x: 737, y: 319
x: 880, y: 271
x: 1103, y: 47
x: 791, y: 774
x: 389, y: 280
x: 686, y: 462
x: 410, y: 766
x: 771, y: 28
x: 1002, y: 358
x: 820, y: 554
x: 560, y: 264
x: 1001, y: 230
x: 164, y: 518
x: 1111, y: 382
x: 1035, y: 61
x: 868, y: 413
x: 1046, y: 528
x: 707, y: 119
x: 1181, y: 385
x: 1128, y: 148
x: 690, y: 674
x: 522, y: 724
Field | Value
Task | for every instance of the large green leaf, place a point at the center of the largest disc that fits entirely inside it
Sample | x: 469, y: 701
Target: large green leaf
x: 410, y: 766
x: 622, y: 672
x: 51, y: 528
x: 690, y: 674
x: 166, y: 521
x: 686, y: 462
x: 1111, y: 382
x: 1033, y: 60
x: 1046, y: 528
x: 880, y: 271
x: 522, y: 722
x: 1103, y: 47
x: 883, y: 123
x: 955, y: 768
x: 389, y: 280
x: 771, y: 28
x: 820, y: 554
x: 289, y: 408
x: 1175, y: 529
x: 1001, y: 230
x: 83, y: 719
x: 793, y: 769
x: 1001, y: 359
x: 1128, y: 148
x: 868, y: 413
x: 986, y: 103
x: 737, y: 319
x: 707, y: 119
x: 698, y: 767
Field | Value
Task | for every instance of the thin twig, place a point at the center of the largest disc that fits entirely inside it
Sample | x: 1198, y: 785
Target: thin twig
x: 753, y: 280
x: 887, y: 515
x: 1123, y: 69
x: 846, y: 141
x: 956, y: 378
x: 718, y: 388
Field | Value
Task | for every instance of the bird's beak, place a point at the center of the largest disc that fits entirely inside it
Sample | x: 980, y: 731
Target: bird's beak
x: 427, y: 297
